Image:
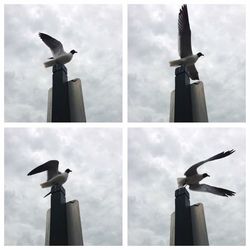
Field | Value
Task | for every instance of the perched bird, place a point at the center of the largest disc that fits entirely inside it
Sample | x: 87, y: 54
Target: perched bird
x: 56, y: 47
x: 54, y: 177
x: 193, y: 178
x: 187, y: 58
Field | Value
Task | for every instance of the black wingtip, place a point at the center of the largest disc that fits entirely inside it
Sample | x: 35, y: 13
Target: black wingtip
x: 229, y: 152
x: 44, y: 167
x: 229, y: 193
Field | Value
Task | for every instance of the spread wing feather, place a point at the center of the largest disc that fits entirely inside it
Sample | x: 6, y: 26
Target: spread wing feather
x: 193, y: 169
x: 50, y: 166
x: 211, y: 189
x: 55, y: 46
x: 184, y: 33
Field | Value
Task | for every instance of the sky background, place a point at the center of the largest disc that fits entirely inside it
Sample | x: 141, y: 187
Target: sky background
x: 218, y: 31
x: 94, y: 156
x: 156, y: 157
x: 95, y: 31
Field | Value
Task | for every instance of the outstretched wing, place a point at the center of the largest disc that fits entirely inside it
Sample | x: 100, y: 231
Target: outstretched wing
x: 55, y: 46
x: 211, y: 189
x: 193, y: 169
x: 193, y: 73
x: 185, y: 47
x: 50, y: 166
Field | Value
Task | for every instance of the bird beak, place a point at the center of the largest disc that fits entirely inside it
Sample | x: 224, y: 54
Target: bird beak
x: 202, y: 54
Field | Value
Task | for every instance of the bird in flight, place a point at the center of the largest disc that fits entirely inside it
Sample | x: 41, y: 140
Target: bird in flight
x: 54, y: 177
x: 56, y: 47
x: 193, y: 178
x: 187, y: 58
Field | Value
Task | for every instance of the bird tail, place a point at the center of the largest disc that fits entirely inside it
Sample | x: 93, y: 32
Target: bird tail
x: 181, y: 182
x: 45, y: 184
x: 174, y: 63
x: 49, y: 63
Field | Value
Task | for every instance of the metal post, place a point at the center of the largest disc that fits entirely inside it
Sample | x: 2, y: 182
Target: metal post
x: 183, y: 105
x: 183, y: 220
x: 60, y: 97
x: 58, y: 218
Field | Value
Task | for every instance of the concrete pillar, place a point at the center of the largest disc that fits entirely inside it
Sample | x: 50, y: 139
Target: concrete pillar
x: 76, y: 103
x: 74, y: 227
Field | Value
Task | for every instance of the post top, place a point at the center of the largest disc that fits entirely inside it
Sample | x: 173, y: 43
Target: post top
x: 181, y: 191
x: 59, y: 67
x: 57, y: 188
x: 180, y: 70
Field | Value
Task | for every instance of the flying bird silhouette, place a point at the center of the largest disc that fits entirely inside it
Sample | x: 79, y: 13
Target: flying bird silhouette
x: 54, y: 177
x: 193, y: 178
x: 188, y: 59
x: 56, y: 47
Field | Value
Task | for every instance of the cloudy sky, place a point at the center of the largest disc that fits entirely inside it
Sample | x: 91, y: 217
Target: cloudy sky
x: 218, y: 31
x: 158, y: 156
x: 95, y: 31
x: 94, y: 156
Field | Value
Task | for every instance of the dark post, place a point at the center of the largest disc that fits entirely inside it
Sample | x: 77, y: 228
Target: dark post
x: 60, y: 96
x: 183, y: 220
x: 58, y: 221
x: 183, y: 105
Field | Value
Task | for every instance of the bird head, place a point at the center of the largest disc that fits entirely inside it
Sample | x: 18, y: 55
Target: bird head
x: 68, y: 170
x: 73, y: 51
x: 205, y: 175
x: 200, y: 54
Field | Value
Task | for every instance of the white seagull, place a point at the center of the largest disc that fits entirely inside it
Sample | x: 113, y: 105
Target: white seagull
x: 54, y: 177
x: 187, y: 58
x: 193, y: 178
x: 56, y: 47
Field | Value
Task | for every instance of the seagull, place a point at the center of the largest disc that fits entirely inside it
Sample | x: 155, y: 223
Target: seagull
x: 54, y: 177
x: 56, y: 47
x: 193, y: 178
x: 187, y: 58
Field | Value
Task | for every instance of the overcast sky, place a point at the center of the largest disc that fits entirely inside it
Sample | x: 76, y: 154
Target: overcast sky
x: 158, y: 156
x: 94, y: 156
x: 95, y: 31
x: 218, y: 31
